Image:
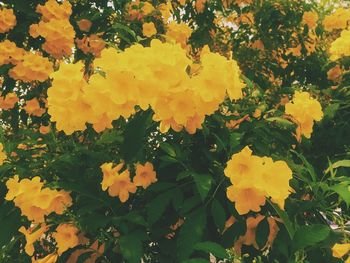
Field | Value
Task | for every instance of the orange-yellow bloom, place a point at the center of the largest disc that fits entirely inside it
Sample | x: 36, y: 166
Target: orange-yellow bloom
x: 148, y: 29
x: 340, y: 250
x: 66, y: 236
x: 32, y: 235
x: 7, y: 20
x: 145, y: 175
x: 305, y: 110
x: 118, y: 184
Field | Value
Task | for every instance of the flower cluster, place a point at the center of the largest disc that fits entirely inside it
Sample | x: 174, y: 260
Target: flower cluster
x: 31, y: 67
x: 255, y: 178
x: 32, y: 107
x: 92, y: 44
x: 310, y: 19
x: 305, y: 110
x: 179, y: 33
x: 9, y: 101
x: 141, y: 76
x: 28, y: 67
x: 66, y: 237
x: 341, y: 46
x: 34, y: 200
x: 119, y: 183
x: 55, y: 28
x: 65, y: 98
x: 10, y: 53
x: 7, y: 20
x: 337, y: 20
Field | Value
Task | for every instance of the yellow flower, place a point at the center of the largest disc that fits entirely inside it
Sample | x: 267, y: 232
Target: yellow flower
x: 305, y: 110
x: 52, y: 10
x: 246, y: 199
x: 55, y: 28
x: 341, y: 46
x: 7, y: 20
x: 32, y: 107
x: 148, y: 29
x: 92, y: 44
x: 34, y: 201
x: 337, y: 20
x: 84, y: 25
x: 32, y: 235
x: 9, y: 101
x: 200, y: 5
x: 145, y: 175
x: 44, y: 129
x: 242, y: 167
x: 257, y: 177
x: 32, y: 67
x: 166, y: 9
x: 3, y: 155
x: 335, y: 73
x: 178, y: 32
x: 340, y: 250
x: 310, y: 19
x: 109, y: 173
x: 118, y: 184
x: 10, y: 53
x: 66, y: 104
x: 66, y: 237
x: 147, y: 8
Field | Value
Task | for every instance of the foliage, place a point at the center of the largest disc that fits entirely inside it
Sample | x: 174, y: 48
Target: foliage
x: 174, y: 131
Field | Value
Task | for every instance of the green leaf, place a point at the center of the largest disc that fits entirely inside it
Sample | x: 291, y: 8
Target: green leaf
x: 213, y: 248
x: 331, y: 110
x: 191, y: 233
x: 83, y: 257
x: 166, y: 147
x: 9, y: 226
x: 218, y: 214
x: 203, y: 184
x: 284, y: 216
x: 343, y: 190
x: 308, y: 166
x: 136, y: 218
x: 157, y: 206
x: 310, y: 235
x: 118, y: 27
x: 281, y: 122
x: 131, y: 248
x: 183, y: 175
x: 262, y: 233
x: 342, y: 163
x: 110, y: 137
x: 134, y: 135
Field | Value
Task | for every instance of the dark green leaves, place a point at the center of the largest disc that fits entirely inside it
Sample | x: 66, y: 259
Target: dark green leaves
x: 203, y: 184
x: 131, y: 248
x: 157, y: 206
x: 262, y: 233
x: 310, y: 235
x: 218, y: 214
x: 191, y: 233
x: 134, y: 135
